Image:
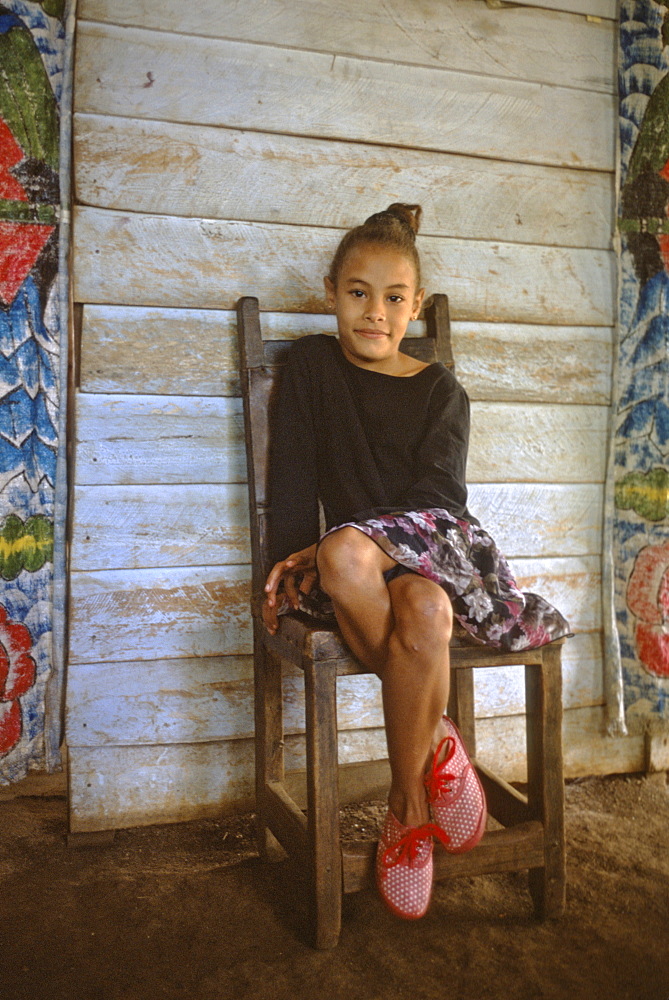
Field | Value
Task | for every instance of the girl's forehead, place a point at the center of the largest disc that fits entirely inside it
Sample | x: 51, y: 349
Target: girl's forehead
x: 371, y: 262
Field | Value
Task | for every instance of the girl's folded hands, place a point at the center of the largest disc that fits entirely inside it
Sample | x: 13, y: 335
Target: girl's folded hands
x: 298, y: 573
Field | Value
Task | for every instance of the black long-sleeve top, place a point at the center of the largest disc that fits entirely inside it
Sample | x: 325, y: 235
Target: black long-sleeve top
x: 363, y: 442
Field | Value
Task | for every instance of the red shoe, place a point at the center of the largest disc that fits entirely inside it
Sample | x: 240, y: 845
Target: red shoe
x: 404, y: 866
x: 455, y: 794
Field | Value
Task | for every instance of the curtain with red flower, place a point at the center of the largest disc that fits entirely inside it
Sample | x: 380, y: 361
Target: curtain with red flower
x: 34, y: 125
x: 639, y: 479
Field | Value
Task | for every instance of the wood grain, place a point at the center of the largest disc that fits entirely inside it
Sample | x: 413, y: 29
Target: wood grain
x: 162, y: 76
x: 148, y: 614
x: 127, y: 527
x: 159, y: 439
x: 540, y: 519
x: 537, y: 443
x: 134, y: 259
x: 128, y: 349
x: 181, y: 700
x: 501, y: 361
x: 113, y: 787
x: 211, y: 698
x: 184, y: 352
x: 166, y: 168
x: 516, y: 42
x: 153, y: 613
x: 130, y: 440
x: 501, y: 690
x: 594, y: 8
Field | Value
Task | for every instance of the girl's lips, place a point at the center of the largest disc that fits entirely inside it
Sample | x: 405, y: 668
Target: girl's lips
x: 372, y: 333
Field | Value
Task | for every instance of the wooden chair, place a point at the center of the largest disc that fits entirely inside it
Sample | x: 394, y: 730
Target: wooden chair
x: 532, y: 834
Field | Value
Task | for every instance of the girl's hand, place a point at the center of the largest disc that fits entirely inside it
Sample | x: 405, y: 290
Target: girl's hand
x: 301, y: 564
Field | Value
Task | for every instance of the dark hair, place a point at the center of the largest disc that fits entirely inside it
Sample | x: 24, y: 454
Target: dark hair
x: 395, y: 228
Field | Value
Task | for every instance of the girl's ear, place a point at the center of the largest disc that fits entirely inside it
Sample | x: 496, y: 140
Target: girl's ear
x: 417, y: 303
x: 330, y: 296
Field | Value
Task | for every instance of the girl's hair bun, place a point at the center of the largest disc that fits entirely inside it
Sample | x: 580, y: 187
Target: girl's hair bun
x: 409, y: 215
x: 395, y: 228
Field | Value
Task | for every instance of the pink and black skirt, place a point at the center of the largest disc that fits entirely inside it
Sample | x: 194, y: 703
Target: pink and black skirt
x: 464, y: 560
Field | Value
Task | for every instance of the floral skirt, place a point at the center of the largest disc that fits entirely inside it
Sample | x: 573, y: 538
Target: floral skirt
x: 464, y: 560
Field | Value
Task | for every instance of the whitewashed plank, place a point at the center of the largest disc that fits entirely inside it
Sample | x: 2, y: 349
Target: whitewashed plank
x: 500, y: 361
x: 149, y: 614
x: 159, y: 439
x: 501, y: 745
x: 539, y: 442
x: 132, y: 349
x: 453, y: 34
x: 192, y: 701
x: 185, y: 439
x: 593, y: 8
x: 165, y: 168
x: 586, y: 747
x: 156, y: 75
x: 211, y: 698
x: 127, y: 527
x: 134, y: 259
x: 163, y: 701
x: 540, y: 519
x: 501, y: 690
x: 153, y: 613
x: 113, y: 787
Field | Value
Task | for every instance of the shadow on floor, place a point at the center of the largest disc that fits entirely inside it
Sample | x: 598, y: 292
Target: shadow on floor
x: 189, y: 911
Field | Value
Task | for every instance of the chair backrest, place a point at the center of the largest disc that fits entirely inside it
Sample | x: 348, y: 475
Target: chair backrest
x: 260, y: 363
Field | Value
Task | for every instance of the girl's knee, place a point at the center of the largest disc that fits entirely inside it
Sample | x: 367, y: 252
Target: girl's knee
x: 346, y: 555
x: 423, y: 613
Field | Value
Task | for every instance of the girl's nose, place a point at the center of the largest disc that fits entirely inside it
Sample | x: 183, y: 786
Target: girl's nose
x: 374, y: 310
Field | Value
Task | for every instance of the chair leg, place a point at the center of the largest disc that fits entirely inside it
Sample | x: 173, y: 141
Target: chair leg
x: 543, y: 692
x: 461, y: 706
x: 268, y: 741
x: 323, y: 801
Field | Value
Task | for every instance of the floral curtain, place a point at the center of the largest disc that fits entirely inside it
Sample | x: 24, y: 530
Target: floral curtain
x: 34, y: 128
x: 639, y: 519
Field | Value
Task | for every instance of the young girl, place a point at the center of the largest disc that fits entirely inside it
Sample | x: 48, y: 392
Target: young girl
x: 381, y: 440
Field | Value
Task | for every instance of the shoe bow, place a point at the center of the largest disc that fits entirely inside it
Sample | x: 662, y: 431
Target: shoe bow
x: 438, y: 779
x: 405, y: 850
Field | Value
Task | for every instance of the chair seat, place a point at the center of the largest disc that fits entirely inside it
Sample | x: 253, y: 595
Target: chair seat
x: 299, y: 636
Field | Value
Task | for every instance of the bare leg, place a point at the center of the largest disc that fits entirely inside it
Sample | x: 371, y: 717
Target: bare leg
x: 415, y: 683
x: 402, y: 632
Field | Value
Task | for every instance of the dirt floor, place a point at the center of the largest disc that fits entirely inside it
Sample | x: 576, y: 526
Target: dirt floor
x: 189, y: 911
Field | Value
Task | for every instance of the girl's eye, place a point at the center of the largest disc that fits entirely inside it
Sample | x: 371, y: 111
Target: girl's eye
x: 396, y: 298
x: 357, y: 293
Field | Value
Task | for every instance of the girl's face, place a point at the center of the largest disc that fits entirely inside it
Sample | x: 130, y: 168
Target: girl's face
x: 375, y: 297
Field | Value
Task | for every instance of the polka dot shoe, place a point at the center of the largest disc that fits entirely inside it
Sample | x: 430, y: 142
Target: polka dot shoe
x: 457, y: 800
x: 404, y: 866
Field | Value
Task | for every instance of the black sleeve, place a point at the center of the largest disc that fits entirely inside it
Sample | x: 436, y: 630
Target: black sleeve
x: 441, y: 462
x: 293, y: 467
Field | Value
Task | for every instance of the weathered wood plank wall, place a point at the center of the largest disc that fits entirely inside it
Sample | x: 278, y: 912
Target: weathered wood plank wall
x: 220, y: 150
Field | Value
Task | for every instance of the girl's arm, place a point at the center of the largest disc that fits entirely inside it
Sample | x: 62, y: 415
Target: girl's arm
x: 293, y: 462
x: 293, y: 489
x: 441, y: 462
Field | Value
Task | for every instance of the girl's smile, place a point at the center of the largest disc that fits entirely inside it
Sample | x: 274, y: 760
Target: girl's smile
x: 375, y: 297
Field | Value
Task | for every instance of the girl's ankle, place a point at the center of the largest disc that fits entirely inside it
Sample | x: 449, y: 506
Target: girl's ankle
x: 409, y: 810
